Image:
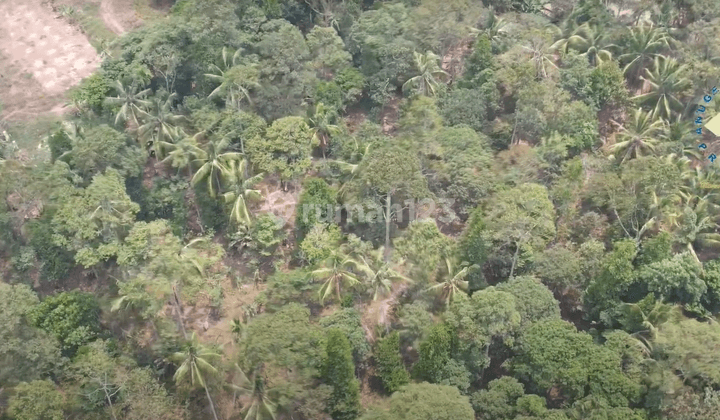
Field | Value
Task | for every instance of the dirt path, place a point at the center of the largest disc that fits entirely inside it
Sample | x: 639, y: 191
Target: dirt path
x: 110, y: 17
x: 379, y: 312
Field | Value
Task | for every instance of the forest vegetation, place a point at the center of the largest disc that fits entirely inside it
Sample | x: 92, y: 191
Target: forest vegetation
x: 228, y: 225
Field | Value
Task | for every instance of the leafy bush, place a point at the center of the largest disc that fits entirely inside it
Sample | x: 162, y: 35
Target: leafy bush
x: 330, y: 94
x: 165, y: 200
x: 267, y: 233
x: 351, y: 83
x: 288, y: 287
x: 91, y: 92
x: 390, y: 366
x: 72, y: 317
x: 55, y: 261
x: 475, y: 107
x: 319, y: 243
x: 59, y: 143
x: 25, y: 259
x: 315, y: 200
x: 212, y: 211
x: 348, y: 320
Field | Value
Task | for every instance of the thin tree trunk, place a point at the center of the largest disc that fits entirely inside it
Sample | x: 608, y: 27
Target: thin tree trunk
x: 112, y: 410
x: 514, y: 261
x: 200, y: 222
x: 212, y: 406
x: 388, y: 200
x: 621, y: 223
x: 692, y: 251
x: 104, y: 384
x: 487, y: 357
x: 178, y: 309
x: 512, y: 138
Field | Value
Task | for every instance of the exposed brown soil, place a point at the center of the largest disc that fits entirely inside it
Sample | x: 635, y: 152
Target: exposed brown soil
x: 380, y: 312
x: 235, y: 300
x: 41, y: 57
x: 453, y: 61
x: 278, y: 201
x: 119, y: 15
x: 390, y: 115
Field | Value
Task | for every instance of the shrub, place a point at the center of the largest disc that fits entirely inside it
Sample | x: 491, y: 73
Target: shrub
x: 390, y: 366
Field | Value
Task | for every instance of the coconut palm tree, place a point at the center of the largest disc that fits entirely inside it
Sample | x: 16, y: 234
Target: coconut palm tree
x: 235, y: 79
x: 131, y: 101
x: 697, y: 180
x: 134, y: 296
x: 113, y: 217
x: 644, y: 318
x: 643, y: 45
x: 430, y: 77
x: 495, y: 27
x: 196, y: 364
x: 73, y: 131
x: 638, y: 136
x: 237, y: 327
x: 541, y: 57
x: 679, y: 133
x: 240, y: 191
x: 379, y: 275
x: 184, y: 152
x: 160, y: 125
x: 667, y: 86
x: 591, y: 41
x: 453, y: 281
x: 336, y: 271
x: 697, y: 227
x: 257, y: 404
x: 214, y: 163
x: 322, y: 123
x: 563, y: 33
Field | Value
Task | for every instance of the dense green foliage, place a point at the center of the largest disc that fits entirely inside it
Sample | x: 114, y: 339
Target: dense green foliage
x: 338, y: 371
x: 319, y: 210
x: 390, y: 367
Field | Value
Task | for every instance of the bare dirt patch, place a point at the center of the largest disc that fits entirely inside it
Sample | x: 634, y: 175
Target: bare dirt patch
x: 278, y: 201
x: 453, y: 61
x: 118, y: 16
x: 389, y: 115
x: 115, y: 20
x: 380, y: 312
x: 235, y: 302
x: 41, y: 57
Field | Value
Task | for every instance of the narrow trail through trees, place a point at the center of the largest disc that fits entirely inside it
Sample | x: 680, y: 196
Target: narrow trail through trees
x: 109, y: 17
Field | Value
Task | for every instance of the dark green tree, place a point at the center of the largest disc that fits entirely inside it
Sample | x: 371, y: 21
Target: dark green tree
x: 37, y: 400
x: 553, y: 353
x: 479, y: 66
x: 284, y: 150
x: 389, y: 362
x: 349, y: 321
x: 498, y: 401
x: 426, y: 401
x: 73, y: 318
x: 25, y: 352
x: 434, y: 354
x: 474, y: 244
x: 339, y: 372
x: 391, y: 172
x: 316, y: 204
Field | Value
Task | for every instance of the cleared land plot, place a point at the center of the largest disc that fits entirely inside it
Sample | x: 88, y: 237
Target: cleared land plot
x: 41, y: 57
